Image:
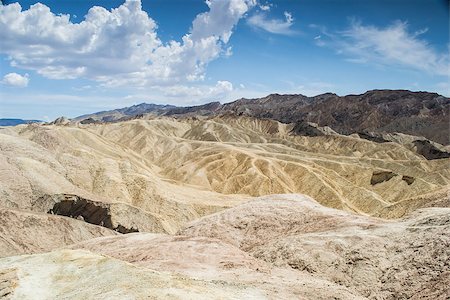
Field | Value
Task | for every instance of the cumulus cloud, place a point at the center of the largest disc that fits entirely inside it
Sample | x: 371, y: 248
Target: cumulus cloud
x: 219, y: 90
x: 180, y: 94
x: 16, y: 80
x: 261, y: 20
x: 391, y: 45
x: 116, y: 47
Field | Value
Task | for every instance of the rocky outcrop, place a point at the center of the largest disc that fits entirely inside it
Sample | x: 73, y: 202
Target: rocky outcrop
x: 430, y: 151
x: 311, y: 129
x: 120, y: 217
x: 89, y: 121
x: 24, y: 232
x: 59, y: 121
x: 89, y: 211
x: 420, y: 145
x: 409, y: 179
x: 381, y: 176
x: 373, y: 137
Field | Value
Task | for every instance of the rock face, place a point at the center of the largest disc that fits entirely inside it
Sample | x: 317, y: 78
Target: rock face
x: 409, y: 179
x: 311, y: 129
x: 120, y: 217
x: 429, y: 151
x: 24, y: 232
x: 89, y: 121
x: 381, y: 176
x: 60, y: 121
x: 372, y: 136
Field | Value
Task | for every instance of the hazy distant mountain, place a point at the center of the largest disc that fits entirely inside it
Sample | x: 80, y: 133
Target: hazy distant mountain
x: 14, y: 122
x: 117, y: 114
x: 416, y: 113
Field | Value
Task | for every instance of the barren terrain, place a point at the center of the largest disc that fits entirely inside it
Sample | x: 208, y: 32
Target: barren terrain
x: 227, y: 207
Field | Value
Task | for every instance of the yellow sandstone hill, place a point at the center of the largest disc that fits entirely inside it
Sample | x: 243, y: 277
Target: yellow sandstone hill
x: 200, y: 208
x: 180, y: 169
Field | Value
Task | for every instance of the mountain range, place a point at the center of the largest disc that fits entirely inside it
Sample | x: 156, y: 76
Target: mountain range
x: 383, y: 111
x: 14, y: 122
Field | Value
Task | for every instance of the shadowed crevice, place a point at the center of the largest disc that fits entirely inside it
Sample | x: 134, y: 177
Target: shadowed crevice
x: 89, y: 211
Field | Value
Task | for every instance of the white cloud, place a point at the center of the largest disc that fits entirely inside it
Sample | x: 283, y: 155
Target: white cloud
x: 117, y: 47
x: 261, y: 20
x: 199, y: 93
x: 319, y: 41
x: 391, y: 45
x: 265, y: 7
x: 16, y: 80
x: 181, y: 94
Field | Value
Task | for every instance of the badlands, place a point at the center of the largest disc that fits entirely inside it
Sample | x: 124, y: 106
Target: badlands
x: 221, y: 207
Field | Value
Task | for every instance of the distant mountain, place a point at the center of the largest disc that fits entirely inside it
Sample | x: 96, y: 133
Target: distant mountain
x: 415, y: 113
x: 14, y: 122
x: 200, y: 110
x: 121, y: 113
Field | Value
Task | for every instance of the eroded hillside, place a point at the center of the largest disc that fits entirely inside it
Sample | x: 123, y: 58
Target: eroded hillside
x: 180, y: 169
x: 171, y: 202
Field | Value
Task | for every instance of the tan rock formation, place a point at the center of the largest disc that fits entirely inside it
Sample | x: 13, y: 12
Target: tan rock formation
x: 24, y: 232
x: 379, y: 259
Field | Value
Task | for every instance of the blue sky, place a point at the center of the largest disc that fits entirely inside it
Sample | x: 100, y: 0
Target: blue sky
x: 75, y: 57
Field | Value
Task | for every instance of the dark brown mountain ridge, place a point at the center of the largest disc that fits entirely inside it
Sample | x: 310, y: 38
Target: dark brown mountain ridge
x: 415, y: 113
